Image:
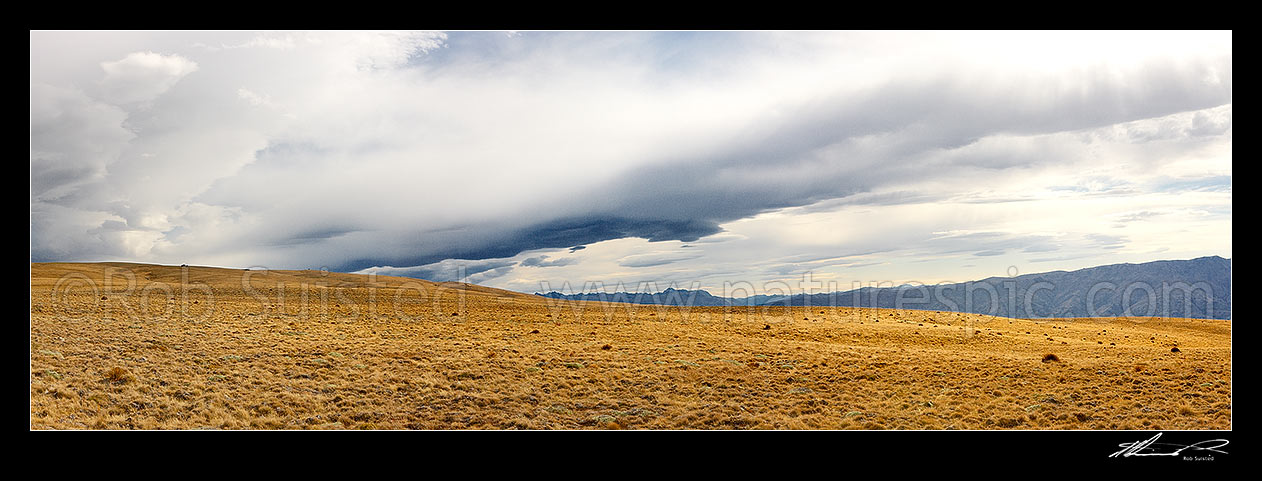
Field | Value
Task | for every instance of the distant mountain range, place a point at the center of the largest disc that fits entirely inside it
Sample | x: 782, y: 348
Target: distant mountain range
x: 669, y: 297
x: 1196, y: 288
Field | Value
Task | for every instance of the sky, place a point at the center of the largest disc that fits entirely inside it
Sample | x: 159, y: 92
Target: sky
x: 537, y: 161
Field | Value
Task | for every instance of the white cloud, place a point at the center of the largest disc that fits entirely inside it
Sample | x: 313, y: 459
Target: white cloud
x: 346, y: 49
x: 657, y: 258
x: 142, y: 76
x: 254, y: 98
x: 361, y: 149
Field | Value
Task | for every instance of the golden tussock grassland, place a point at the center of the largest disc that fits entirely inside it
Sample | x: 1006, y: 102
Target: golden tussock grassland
x: 132, y: 346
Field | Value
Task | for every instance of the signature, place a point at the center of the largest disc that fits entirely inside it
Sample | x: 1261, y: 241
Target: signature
x: 1150, y: 447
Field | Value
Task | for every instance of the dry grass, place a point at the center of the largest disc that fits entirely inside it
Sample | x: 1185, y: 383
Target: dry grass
x: 118, y: 375
x: 229, y: 358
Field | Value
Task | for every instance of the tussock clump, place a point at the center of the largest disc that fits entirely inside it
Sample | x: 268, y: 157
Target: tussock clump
x: 118, y: 375
x: 1050, y: 358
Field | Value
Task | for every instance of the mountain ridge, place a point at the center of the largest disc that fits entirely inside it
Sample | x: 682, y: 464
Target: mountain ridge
x: 1192, y: 288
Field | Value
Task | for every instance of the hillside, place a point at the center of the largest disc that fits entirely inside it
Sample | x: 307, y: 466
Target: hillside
x: 203, y: 348
x: 1196, y: 288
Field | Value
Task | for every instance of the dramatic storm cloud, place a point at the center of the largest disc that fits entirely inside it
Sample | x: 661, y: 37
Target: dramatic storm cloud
x: 519, y: 159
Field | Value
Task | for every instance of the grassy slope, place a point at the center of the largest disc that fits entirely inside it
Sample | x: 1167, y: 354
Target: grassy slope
x: 393, y: 355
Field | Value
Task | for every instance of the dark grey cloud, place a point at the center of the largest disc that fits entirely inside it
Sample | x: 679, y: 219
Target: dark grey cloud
x: 73, y: 139
x: 315, y: 235
x: 819, y: 151
x: 486, y: 242
x: 777, y: 166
